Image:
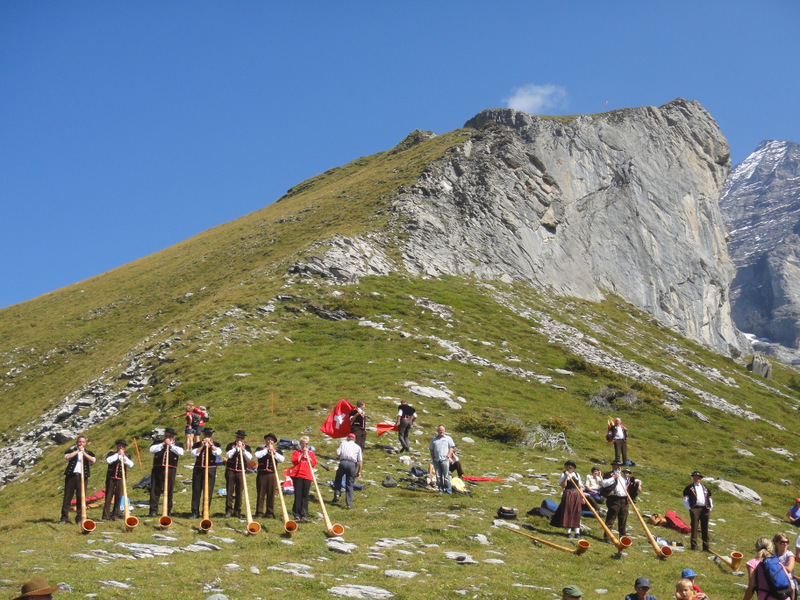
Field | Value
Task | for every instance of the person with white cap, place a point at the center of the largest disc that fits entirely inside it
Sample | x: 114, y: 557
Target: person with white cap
x: 641, y: 587
x: 351, y: 461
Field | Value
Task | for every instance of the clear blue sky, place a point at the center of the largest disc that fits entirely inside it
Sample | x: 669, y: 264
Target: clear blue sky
x: 126, y: 127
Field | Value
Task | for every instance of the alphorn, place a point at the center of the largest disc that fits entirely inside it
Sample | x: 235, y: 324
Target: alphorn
x: 289, y: 525
x: 165, y: 520
x: 331, y: 529
x: 252, y: 527
x: 583, y: 545
x: 205, y: 522
x: 661, y: 551
x: 621, y: 543
x: 87, y: 525
x: 130, y: 520
x: 733, y: 562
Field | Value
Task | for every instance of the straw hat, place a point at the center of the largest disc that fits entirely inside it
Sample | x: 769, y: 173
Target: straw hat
x: 37, y: 587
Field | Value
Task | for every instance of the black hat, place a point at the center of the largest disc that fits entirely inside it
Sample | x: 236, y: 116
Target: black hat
x: 120, y: 443
x: 169, y: 430
x: 241, y: 433
x: 642, y: 582
x: 208, y: 430
x: 271, y: 436
x: 626, y: 470
x: 696, y: 474
x: 571, y: 463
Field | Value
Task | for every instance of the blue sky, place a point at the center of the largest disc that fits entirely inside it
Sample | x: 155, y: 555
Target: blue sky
x: 126, y: 127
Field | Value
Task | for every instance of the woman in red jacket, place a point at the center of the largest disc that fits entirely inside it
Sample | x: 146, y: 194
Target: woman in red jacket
x: 303, y: 460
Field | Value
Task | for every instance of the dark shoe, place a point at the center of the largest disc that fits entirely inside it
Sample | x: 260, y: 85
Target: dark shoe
x: 259, y: 515
x: 228, y: 515
x: 195, y: 515
x: 152, y: 513
x: 335, y: 498
x: 349, y: 507
x: 64, y: 522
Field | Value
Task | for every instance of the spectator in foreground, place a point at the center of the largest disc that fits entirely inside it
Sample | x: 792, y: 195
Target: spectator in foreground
x: 641, y: 588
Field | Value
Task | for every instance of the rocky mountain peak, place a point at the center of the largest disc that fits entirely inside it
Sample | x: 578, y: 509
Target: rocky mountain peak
x: 761, y: 207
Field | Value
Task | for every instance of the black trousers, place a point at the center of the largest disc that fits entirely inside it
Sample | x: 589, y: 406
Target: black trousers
x: 699, y: 516
x: 198, y: 483
x: 157, y: 488
x: 361, y: 437
x: 302, y: 488
x: 72, y: 487
x: 266, y: 486
x: 234, y: 492
x: 402, y: 433
x: 617, y: 507
x: 113, y: 499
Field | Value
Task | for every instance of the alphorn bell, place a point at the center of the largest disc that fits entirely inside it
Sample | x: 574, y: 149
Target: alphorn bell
x: 620, y: 543
x: 583, y: 545
x: 87, y: 525
x: 331, y: 529
x: 165, y: 520
x: 130, y: 520
x: 661, y: 551
x: 289, y: 525
x: 733, y: 562
x: 205, y: 522
x: 252, y: 527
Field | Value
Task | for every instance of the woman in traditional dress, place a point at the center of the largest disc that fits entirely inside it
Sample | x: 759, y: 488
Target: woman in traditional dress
x: 568, y: 513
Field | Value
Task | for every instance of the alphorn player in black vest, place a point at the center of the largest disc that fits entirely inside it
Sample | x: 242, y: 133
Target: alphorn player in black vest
x: 79, y: 460
x: 199, y: 472
x: 266, y: 482
x: 235, y: 468
x: 117, y: 460
x: 165, y: 453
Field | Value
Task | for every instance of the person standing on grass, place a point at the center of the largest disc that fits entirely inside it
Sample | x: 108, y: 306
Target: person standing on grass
x: 199, y: 470
x: 165, y: 453
x: 697, y: 499
x: 619, y: 436
x: 617, y: 500
x: 350, y: 464
x: 406, y: 415
x: 267, y: 483
x: 568, y: 513
x: 117, y: 460
x: 79, y: 462
x: 303, y: 460
x: 237, y: 453
x: 442, y: 448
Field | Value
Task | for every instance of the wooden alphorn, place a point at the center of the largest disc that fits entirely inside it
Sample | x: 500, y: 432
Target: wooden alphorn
x: 583, y: 545
x: 87, y: 525
x: 733, y: 562
x: 206, y: 523
x: 289, y: 525
x: 331, y: 529
x: 661, y: 551
x: 130, y: 520
x: 252, y: 527
x: 165, y: 520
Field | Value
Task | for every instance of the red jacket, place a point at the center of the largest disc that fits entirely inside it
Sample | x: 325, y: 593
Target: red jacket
x: 301, y: 467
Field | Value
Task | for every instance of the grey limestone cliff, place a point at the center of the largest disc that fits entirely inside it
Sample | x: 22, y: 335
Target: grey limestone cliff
x: 624, y: 202
x: 761, y: 205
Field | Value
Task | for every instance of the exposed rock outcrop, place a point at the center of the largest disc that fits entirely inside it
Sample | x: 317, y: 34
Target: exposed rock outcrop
x: 623, y: 202
x: 761, y: 205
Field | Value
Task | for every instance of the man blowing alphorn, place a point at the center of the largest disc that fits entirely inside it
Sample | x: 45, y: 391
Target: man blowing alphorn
x: 199, y: 471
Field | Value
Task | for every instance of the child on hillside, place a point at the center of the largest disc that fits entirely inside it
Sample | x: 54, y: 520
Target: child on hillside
x: 194, y: 422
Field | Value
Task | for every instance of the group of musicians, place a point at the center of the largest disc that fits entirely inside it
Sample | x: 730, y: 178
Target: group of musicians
x: 207, y: 453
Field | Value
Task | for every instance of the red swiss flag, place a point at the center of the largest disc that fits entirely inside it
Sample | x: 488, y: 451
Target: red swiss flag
x: 337, y: 425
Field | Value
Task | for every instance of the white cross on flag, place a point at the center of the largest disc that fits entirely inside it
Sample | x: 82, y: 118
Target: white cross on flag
x: 337, y: 425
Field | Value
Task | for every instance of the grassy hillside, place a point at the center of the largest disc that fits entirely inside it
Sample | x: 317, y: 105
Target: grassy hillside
x: 266, y: 364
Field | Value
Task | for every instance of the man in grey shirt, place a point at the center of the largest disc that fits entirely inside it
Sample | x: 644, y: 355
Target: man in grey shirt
x: 441, y: 448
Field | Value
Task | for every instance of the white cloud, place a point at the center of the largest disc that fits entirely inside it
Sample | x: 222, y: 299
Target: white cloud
x: 532, y: 98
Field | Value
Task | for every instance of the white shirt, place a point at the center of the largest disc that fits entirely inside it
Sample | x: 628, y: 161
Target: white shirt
x: 621, y: 487
x: 115, y: 457
x: 349, y: 450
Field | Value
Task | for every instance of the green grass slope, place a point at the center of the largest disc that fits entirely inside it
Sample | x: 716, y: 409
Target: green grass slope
x: 232, y: 333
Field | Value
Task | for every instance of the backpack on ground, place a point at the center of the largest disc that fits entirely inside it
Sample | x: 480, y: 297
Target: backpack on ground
x: 389, y: 481
x: 506, y: 512
x: 675, y: 522
x: 778, y: 584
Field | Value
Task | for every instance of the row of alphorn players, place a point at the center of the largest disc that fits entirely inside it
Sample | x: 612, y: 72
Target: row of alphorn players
x: 166, y: 453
